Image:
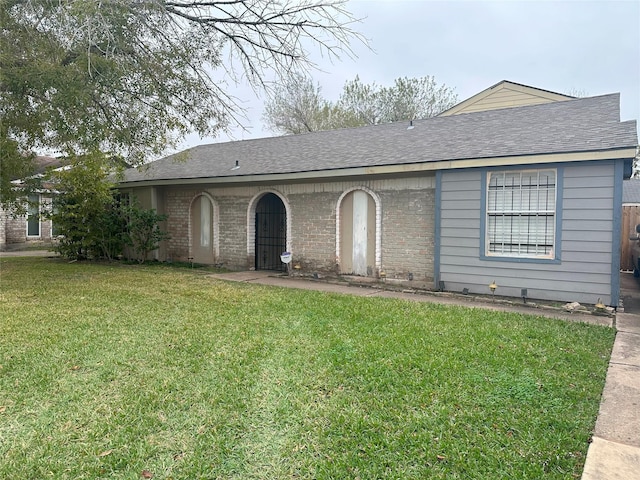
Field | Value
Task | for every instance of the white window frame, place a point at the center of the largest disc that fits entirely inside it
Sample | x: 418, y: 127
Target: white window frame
x: 48, y: 207
x: 29, y: 214
x: 521, y: 216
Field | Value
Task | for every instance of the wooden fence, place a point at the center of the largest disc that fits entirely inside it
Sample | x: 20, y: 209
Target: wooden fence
x: 630, y: 218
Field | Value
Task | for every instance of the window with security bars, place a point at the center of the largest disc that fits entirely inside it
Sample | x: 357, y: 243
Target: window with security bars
x: 521, y: 213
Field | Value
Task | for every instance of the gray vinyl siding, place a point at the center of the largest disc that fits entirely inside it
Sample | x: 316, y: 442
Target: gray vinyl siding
x: 583, y: 272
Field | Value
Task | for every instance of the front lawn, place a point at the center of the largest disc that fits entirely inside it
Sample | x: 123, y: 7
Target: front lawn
x: 111, y: 371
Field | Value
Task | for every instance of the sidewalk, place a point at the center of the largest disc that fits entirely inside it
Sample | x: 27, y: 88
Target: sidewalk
x: 614, y: 453
x: 28, y: 253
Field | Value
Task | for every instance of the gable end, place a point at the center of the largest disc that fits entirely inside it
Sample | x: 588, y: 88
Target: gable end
x: 505, y: 95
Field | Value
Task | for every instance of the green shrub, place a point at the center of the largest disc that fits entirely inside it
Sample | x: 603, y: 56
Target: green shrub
x: 143, y: 230
x: 92, y: 222
x: 84, y: 211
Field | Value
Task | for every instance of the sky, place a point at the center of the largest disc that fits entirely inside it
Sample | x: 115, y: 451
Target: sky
x: 591, y: 47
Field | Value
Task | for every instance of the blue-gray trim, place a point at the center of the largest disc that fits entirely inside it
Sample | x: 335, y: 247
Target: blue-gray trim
x: 557, y: 247
x: 437, y: 226
x: 559, y: 211
x: 617, y: 231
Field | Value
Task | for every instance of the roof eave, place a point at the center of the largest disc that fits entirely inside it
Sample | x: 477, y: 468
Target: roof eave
x: 547, y: 158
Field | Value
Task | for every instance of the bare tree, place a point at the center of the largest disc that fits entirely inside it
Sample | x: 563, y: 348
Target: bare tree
x: 133, y: 77
x: 577, y: 92
x: 298, y: 106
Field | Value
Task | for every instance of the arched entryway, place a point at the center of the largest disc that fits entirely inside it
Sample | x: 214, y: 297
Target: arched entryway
x: 270, y: 233
x: 203, y: 230
x: 358, y: 241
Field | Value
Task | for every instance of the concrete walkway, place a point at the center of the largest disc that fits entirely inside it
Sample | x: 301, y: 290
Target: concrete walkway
x: 270, y: 278
x: 614, y: 453
x: 28, y: 253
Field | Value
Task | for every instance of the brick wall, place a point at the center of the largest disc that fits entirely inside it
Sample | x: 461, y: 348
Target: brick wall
x: 408, y: 223
x: 177, y: 208
x: 233, y: 230
x: 313, y: 231
x: 406, y: 235
x: 13, y: 231
x: 3, y: 229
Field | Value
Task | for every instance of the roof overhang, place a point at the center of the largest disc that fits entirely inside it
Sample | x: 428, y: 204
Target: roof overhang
x: 519, y: 160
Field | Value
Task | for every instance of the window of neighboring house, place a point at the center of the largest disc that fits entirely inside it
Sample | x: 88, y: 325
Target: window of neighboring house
x: 55, y: 229
x: 33, y: 216
x: 521, y: 213
x: 123, y: 199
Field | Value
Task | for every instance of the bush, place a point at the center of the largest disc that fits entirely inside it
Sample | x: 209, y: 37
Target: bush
x: 91, y: 220
x: 143, y: 230
x: 84, y: 210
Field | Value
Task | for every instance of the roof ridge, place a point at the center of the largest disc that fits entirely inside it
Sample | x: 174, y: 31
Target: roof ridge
x: 589, y: 124
x: 529, y: 86
x: 399, y: 122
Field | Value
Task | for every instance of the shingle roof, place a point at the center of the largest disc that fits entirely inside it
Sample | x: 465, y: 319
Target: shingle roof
x: 580, y: 125
x: 41, y: 164
x: 631, y: 191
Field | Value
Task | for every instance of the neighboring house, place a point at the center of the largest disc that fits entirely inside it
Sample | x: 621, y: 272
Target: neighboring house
x: 31, y: 229
x: 515, y: 185
x: 630, y: 218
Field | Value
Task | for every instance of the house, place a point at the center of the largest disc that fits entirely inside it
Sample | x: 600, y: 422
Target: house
x: 31, y: 228
x: 515, y: 185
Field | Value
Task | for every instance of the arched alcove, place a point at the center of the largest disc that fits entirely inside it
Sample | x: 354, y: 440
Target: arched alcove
x: 203, y: 229
x: 268, y: 230
x: 358, y: 240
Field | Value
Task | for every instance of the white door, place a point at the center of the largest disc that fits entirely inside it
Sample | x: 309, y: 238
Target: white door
x: 360, y: 233
x: 202, y: 231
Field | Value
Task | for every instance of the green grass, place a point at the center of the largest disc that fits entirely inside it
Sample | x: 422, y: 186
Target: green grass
x: 110, y: 370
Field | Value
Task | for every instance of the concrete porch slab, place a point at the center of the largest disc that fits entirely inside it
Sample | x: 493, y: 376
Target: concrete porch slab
x: 244, y: 276
x: 319, y: 286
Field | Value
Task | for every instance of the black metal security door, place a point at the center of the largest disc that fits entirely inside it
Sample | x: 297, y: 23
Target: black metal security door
x: 271, y: 233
